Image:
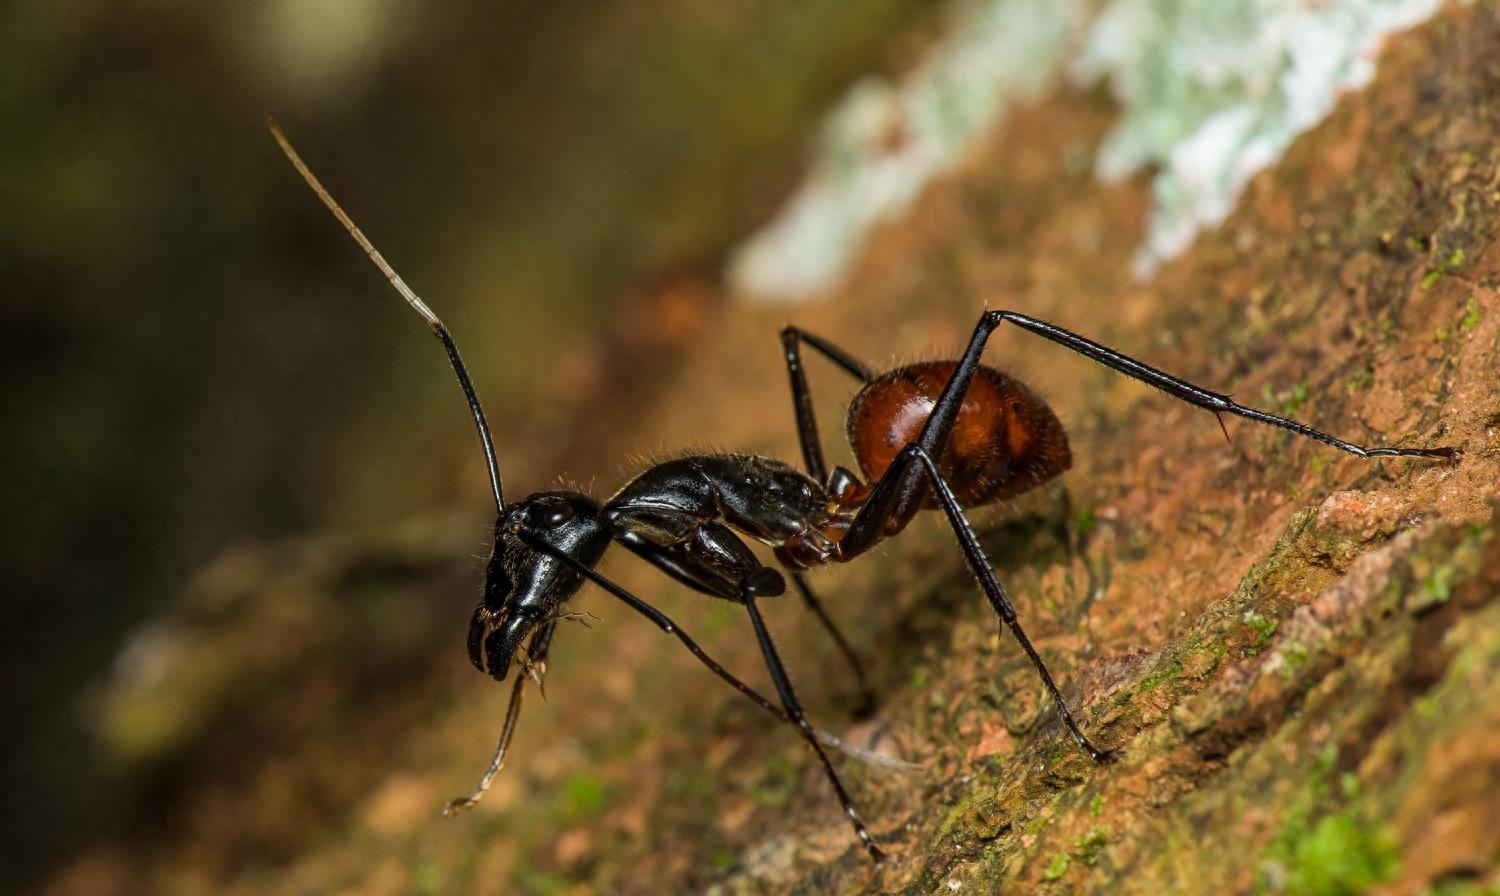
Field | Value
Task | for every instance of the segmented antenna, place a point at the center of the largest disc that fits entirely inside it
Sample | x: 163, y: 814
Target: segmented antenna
x: 411, y: 299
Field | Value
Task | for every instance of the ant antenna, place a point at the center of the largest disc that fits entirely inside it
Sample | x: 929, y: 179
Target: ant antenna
x: 411, y: 299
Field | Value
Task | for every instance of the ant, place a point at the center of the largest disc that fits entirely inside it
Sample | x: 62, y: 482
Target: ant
x: 943, y: 435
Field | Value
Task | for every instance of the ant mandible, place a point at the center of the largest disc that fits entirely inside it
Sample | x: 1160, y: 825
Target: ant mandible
x: 937, y: 435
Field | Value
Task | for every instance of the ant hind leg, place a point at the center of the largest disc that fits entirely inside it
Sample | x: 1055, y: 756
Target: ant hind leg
x: 916, y: 459
x: 1214, y: 402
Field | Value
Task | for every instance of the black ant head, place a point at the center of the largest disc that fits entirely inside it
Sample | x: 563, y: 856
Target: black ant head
x: 527, y: 582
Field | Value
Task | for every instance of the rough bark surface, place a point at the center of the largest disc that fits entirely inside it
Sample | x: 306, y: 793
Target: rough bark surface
x: 1296, y: 651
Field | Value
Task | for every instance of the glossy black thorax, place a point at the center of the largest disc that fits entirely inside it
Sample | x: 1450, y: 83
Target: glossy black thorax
x: 766, y: 499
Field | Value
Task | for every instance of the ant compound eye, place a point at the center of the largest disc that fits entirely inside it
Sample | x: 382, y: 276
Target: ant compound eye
x: 557, y: 515
x: 550, y: 515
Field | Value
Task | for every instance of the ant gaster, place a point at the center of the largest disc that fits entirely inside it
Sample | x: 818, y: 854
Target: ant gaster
x: 938, y: 435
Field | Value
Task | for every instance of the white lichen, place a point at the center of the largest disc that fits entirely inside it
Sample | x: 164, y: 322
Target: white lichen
x: 1211, y: 93
x: 886, y: 141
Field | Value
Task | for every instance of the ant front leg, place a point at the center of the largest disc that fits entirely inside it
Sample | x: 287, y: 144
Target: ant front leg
x: 536, y: 656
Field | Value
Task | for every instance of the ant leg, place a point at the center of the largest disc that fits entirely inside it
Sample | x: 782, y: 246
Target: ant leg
x: 665, y: 623
x: 817, y: 466
x: 1179, y: 388
x: 712, y: 560
x: 692, y: 572
x: 807, y: 426
x: 675, y: 563
x: 791, y: 711
x: 897, y: 491
x: 537, y: 653
x: 900, y: 486
x: 980, y: 565
x: 794, y: 711
x: 866, y: 695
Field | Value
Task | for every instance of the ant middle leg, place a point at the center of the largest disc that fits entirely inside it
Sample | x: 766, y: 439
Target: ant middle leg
x: 790, y: 710
x: 707, y: 561
x: 792, y: 339
x: 690, y: 570
x: 793, y: 709
x: 807, y: 424
x: 866, y: 705
x: 674, y: 564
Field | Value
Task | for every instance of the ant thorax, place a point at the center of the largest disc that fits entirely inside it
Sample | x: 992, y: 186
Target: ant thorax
x: 766, y: 499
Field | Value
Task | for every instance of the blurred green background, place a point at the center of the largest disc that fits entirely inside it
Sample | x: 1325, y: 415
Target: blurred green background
x: 194, y: 354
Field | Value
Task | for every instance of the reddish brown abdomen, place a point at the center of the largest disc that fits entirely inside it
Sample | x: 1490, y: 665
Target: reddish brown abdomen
x: 1005, y: 441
